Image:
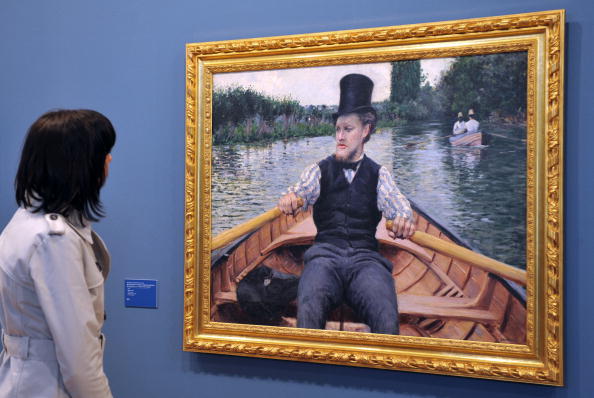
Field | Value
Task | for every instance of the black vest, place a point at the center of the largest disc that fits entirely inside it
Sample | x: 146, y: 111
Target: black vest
x: 346, y: 215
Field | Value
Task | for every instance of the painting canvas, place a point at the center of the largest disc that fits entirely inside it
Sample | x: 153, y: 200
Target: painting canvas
x: 269, y: 126
x: 460, y: 129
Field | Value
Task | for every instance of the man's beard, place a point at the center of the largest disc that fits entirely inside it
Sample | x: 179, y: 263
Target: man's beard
x: 348, y: 157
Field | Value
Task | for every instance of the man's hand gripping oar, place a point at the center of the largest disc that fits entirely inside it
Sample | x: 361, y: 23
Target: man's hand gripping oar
x: 290, y: 203
x: 400, y: 227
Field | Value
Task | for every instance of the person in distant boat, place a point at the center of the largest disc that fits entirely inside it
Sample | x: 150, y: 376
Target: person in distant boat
x: 472, y: 125
x: 460, y: 125
x: 349, y: 193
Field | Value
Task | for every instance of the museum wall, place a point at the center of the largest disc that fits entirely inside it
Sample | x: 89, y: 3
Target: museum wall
x: 126, y: 59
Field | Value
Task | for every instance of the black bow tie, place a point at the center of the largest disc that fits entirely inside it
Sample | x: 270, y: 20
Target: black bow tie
x: 351, y: 166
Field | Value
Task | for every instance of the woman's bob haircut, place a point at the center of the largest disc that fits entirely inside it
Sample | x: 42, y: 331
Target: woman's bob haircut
x: 62, y: 167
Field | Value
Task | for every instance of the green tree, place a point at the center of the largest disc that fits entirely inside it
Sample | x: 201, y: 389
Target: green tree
x: 405, y: 81
x: 493, y: 84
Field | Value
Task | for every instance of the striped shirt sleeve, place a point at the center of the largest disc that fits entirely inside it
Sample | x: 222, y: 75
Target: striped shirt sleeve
x: 308, y: 186
x: 390, y: 201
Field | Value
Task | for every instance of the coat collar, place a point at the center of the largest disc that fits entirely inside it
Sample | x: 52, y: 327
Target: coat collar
x: 83, y: 229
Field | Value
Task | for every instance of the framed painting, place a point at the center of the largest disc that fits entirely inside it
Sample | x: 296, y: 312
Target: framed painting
x: 388, y: 197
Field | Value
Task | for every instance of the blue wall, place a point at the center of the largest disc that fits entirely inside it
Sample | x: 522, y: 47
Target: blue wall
x: 126, y: 59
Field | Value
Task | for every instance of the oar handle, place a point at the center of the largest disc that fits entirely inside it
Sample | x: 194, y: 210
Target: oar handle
x: 486, y: 263
x: 228, y: 236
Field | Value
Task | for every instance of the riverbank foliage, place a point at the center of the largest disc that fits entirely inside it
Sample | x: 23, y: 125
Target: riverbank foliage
x: 244, y: 115
x: 493, y: 85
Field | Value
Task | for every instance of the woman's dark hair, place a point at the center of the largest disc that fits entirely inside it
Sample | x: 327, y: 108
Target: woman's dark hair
x: 62, y: 167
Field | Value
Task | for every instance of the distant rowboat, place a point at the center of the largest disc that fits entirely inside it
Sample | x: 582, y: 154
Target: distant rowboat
x: 468, y: 139
x: 439, y: 295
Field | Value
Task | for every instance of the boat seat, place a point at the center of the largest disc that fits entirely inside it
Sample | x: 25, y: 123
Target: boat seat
x: 302, y: 233
x: 460, y: 308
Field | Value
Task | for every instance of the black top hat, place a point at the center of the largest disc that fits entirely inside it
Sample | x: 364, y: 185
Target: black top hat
x: 355, y: 95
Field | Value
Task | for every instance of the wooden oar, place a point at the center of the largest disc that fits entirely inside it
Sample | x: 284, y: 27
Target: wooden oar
x: 224, y: 238
x: 486, y: 263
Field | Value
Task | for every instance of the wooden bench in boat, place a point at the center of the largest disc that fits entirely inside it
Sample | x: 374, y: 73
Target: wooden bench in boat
x: 460, y: 308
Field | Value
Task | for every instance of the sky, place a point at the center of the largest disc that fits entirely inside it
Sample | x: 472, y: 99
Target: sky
x: 320, y: 85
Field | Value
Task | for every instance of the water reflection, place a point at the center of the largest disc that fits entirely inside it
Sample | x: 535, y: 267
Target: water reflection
x: 477, y: 193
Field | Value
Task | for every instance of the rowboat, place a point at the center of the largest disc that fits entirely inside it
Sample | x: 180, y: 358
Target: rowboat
x: 468, y: 139
x: 462, y: 295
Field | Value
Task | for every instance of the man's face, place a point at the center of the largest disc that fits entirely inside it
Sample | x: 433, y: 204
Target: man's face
x: 350, y: 133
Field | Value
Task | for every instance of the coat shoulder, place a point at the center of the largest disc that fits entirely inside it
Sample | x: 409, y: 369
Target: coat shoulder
x: 26, y: 230
x: 26, y: 233
x: 35, y: 225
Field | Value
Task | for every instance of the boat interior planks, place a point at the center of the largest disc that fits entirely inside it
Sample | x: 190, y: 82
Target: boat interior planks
x: 438, y: 295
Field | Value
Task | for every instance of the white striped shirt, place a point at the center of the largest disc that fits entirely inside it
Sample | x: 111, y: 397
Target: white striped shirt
x: 390, y: 201
x: 472, y: 126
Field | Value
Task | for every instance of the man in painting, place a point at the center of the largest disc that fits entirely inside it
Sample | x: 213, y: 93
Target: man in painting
x: 472, y: 125
x: 349, y: 193
x: 460, y: 125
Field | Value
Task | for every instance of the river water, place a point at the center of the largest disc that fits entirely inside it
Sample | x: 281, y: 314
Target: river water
x: 477, y: 193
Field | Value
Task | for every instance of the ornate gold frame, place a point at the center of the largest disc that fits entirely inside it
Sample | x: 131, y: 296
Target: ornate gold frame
x: 540, y: 361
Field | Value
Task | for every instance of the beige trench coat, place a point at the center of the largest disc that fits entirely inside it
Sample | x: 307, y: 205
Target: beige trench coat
x: 52, y: 271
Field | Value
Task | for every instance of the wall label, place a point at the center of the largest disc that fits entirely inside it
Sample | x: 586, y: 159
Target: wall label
x: 140, y: 293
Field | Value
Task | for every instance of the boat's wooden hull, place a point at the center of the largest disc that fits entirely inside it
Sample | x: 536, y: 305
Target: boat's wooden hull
x: 438, y: 296
x: 474, y: 139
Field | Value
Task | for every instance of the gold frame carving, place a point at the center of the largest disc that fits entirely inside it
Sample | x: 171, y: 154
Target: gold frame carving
x: 540, y: 361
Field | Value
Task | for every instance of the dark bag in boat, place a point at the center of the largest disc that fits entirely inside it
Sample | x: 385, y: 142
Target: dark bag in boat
x: 265, y: 293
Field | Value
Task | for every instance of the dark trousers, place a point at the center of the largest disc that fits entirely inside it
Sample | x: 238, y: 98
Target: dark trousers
x: 359, y: 277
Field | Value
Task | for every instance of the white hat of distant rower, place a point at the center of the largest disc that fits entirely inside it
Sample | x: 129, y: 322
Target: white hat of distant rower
x: 460, y: 114
x: 471, y: 112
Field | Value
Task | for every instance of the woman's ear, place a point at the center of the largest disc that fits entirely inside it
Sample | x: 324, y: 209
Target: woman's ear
x: 107, y: 162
